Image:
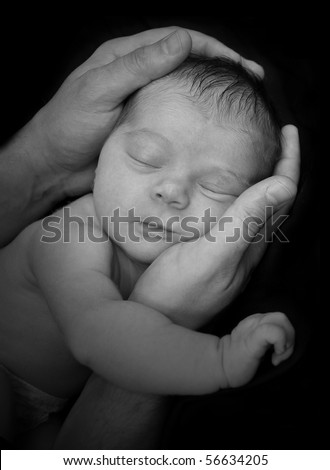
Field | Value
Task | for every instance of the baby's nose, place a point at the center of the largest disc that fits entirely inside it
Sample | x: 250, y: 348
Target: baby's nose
x: 174, y: 194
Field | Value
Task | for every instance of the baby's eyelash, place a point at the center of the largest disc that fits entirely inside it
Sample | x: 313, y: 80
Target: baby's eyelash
x: 213, y: 189
x: 217, y: 191
x: 141, y: 162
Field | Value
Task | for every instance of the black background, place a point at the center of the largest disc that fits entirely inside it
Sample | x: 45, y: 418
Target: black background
x: 282, y: 407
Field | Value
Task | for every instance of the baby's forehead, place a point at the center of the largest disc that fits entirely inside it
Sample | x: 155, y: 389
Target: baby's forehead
x: 171, y: 97
x: 164, y: 85
x: 169, y: 92
x: 166, y: 105
x: 163, y: 91
x: 170, y: 101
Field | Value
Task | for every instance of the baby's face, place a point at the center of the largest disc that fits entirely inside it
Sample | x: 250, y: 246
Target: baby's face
x: 170, y: 163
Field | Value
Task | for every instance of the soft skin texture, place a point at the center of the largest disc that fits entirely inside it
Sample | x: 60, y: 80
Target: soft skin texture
x: 167, y: 160
x: 54, y: 156
x: 171, y: 163
x: 49, y: 163
x: 46, y: 172
x: 67, y: 299
x: 73, y: 298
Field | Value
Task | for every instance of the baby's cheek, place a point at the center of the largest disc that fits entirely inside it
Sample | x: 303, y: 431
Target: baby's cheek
x: 102, y: 196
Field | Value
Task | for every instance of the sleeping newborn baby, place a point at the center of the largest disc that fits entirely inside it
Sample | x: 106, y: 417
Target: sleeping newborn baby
x: 186, y: 145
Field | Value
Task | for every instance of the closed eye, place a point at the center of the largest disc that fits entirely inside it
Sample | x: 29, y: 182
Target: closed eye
x: 215, y: 191
x: 142, y: 162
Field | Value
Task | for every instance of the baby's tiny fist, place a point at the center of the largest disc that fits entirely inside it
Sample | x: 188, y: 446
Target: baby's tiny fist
x: 284, y: 354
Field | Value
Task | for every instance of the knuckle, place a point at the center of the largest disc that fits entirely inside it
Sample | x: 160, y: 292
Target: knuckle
x: 97, y: 77
x: 177, y: 28
x: 288, y: 184
x: 88, y: 78
x: 136, y: 61
x: 90, y: 84
x: 250, y: 219
x: 281, y: 316
x: 107, y: 50
x: 172, y: 28
x: 270, y: 331
x: 252, y: 321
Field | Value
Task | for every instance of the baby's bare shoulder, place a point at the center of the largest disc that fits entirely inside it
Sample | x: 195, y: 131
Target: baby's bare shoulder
x: 71, y: 237
x: 70, y: 240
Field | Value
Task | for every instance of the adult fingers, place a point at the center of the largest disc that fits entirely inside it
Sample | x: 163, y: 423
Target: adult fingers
x: 201, y: 44
x: 113, y: 82
x: 289, y: 163
x: 116, y: 48
x: 244, y: 218
x: 289, y: 167
x: 211, y: 47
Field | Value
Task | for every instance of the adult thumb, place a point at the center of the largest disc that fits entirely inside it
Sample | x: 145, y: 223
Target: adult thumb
x: 132, y: 71
x: 241, y: 222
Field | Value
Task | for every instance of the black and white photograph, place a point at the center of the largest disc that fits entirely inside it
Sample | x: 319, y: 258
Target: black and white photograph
x: 159, y: 234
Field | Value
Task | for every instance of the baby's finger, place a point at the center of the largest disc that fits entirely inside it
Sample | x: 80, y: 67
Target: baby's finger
x: 283, y: 346
x: 278, y: 357
x: 284, y: 335
x: 281, y: 320
x: 273, y: 330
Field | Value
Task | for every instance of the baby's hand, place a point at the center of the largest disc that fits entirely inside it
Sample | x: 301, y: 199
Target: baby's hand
x: 243, y: 349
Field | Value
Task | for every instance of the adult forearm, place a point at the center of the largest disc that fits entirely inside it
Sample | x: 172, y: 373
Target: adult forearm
x: 28, y: 188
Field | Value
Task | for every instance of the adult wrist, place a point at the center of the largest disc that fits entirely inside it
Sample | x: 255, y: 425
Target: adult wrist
x: 29, y: 188
x: 49, y: 182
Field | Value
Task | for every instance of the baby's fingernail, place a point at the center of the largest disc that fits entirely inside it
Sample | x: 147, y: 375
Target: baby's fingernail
x: 279, y: 194
x: 172, y: 44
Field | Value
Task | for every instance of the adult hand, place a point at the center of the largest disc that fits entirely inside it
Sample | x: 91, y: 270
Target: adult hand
x: 73, y: 126
x: 54, y: 155
x: 191, y: 282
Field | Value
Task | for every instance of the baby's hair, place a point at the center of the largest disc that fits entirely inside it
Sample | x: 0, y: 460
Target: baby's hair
x: 227, y: 93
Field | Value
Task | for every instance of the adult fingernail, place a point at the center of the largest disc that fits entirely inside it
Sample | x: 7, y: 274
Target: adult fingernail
x: 278, y: 194
x: 172, y: 44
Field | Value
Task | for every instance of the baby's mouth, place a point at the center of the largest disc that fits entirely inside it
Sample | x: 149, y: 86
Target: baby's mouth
x: 155, y: 231
x: 154, y: 227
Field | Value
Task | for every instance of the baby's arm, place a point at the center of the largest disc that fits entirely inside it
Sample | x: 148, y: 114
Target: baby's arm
x: 137, y: 347
x: 127, y: 343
